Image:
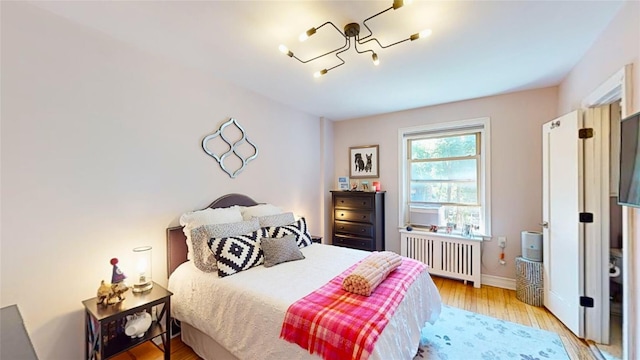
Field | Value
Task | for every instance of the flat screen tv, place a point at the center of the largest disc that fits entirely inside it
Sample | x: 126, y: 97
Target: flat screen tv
x: 629, y: 184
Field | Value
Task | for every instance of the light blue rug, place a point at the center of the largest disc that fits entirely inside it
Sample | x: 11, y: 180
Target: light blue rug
x: 460, y: 334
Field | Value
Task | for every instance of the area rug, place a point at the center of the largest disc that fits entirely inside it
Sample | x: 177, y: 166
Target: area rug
x: 460, y: 334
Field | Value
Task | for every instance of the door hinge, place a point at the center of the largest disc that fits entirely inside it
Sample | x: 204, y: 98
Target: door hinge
x: 585, y: 133
x: 586, y: 217
x: 586, y: 301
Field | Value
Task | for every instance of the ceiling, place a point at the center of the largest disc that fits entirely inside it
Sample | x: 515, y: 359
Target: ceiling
x: 478, y: 48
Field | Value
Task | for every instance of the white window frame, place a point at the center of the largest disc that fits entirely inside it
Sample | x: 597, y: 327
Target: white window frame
x: 481, y: 125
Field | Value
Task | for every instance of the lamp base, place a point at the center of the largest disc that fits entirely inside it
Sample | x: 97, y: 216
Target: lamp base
x: 138, y: 288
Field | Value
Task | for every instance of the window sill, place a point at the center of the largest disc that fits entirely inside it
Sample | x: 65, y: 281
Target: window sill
x: 444, y: 235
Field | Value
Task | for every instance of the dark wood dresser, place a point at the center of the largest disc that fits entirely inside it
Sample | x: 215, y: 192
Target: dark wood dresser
x: 358, y: 219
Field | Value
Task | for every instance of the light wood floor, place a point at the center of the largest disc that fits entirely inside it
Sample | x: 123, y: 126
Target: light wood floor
x: 488, y: 300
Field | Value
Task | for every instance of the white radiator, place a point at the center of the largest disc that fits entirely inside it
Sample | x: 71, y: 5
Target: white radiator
x: 446, y: 256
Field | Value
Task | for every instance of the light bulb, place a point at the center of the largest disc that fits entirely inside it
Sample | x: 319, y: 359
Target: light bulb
x: 305, y: 35
x: 425, y: 33
x: 317, y: 74
x: 400, y: 3
x: 283, y: 49
x: 376, y: 61
x: 422, y: 34
x: 142, y: 266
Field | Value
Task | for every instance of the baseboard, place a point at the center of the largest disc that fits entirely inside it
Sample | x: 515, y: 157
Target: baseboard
x: 499, y: 281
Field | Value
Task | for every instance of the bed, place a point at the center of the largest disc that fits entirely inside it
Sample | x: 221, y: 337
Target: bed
x: 241, y: 316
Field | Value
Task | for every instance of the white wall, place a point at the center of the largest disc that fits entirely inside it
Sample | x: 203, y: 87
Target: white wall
x: 328, y: 178
x: 618, y: 46
x: 100, y: 152
x: 516, y: 162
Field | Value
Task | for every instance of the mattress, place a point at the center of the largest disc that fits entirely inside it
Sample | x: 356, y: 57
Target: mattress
x: 244, y: 312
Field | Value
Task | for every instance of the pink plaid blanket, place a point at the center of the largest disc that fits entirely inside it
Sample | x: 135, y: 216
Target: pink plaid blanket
x: 341, y: 325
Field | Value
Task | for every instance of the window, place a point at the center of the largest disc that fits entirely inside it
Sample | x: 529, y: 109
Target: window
x: 446, y: 176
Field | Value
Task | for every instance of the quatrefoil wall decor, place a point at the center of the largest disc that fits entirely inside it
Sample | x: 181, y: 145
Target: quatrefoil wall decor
x: 233, y: 147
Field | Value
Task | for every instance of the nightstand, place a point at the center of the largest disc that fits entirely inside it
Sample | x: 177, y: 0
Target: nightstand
x: 104, y: 324
x: 316, y: 239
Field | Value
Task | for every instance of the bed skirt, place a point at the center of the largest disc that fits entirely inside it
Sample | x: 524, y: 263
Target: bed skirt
x: 203, y: 345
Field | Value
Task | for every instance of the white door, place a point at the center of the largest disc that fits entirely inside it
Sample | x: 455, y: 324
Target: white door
x: 562, y: 191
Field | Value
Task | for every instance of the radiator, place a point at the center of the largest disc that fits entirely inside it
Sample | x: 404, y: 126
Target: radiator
x: 446, y: 256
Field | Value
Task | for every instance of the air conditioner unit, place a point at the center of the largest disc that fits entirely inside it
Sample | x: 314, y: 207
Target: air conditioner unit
x: 425, y: 216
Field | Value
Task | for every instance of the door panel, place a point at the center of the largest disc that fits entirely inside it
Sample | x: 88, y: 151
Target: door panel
x: 562, y: 202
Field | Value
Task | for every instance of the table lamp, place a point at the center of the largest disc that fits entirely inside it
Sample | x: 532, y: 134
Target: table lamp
x: 142, y: 260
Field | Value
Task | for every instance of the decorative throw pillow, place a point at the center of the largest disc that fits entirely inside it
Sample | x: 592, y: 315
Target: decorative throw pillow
x: 194, y: 219
x: 237, y: 253
x: 277, y: 219
x: 298, y: 228
x: 260, y: 210
x: 279, y: 250
x: 203, y: 258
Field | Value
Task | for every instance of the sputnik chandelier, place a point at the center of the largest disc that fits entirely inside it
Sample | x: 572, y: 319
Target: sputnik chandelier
x: 352, y: 31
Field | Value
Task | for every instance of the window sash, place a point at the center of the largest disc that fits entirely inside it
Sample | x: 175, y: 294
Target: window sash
x: 439, y: 135
x: 434, y: 136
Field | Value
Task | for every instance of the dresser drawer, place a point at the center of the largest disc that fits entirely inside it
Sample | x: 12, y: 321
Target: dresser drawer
x: 357, y: 229
x: 354, y: 243
x: 353, y: 215
x: 353, y: 202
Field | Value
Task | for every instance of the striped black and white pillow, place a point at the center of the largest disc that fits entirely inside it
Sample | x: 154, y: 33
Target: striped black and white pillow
x: 237, y: 253
x: 298, y: 228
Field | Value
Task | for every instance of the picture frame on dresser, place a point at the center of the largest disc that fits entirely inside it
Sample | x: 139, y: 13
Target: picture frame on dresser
x: 343, y: 183
x: 364, y: 162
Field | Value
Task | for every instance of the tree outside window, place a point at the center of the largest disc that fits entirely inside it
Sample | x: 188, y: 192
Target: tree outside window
x: 444, y: 173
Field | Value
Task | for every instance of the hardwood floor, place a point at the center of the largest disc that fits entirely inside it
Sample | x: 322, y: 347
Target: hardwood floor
x: 502, y: 304
x: 488, y: 300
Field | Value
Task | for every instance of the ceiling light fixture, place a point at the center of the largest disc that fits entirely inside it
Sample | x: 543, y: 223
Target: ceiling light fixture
x: 352, y: 30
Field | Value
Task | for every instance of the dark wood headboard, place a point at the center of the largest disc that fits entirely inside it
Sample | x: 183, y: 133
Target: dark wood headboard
x: 177, y: 241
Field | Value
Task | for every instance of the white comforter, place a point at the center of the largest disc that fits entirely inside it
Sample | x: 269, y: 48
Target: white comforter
x: 244, y: 312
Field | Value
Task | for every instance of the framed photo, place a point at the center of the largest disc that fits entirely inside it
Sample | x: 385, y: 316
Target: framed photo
x: 343, y: 183
x: 363, y: 162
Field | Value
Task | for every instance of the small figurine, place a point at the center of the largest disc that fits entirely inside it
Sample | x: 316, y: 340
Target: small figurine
x: 110, y: 294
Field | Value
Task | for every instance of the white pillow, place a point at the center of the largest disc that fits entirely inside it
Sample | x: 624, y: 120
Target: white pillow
x: 194, y: 219
x: 260, y: 210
